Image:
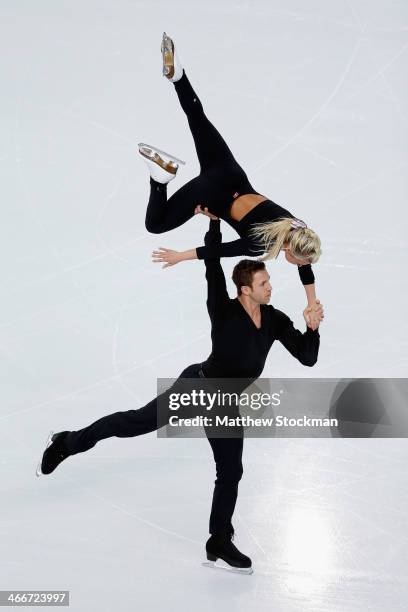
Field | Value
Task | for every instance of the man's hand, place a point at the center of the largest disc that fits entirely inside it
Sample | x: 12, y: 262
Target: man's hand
x: 168, y: 256
x: 198, y: 210
x: 313, y: 315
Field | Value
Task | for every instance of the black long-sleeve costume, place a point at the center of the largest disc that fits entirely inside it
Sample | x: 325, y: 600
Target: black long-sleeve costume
x: 266, y: 212
x: 219, y: 183
x: 239, y: 348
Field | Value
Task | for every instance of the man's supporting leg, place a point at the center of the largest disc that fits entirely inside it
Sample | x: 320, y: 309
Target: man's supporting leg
x: 228, y: 460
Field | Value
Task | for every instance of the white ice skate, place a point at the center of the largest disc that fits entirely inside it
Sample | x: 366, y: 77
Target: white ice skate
x: 219, y: 564
x: 162, y: 166
x: 38, y: 471
x: 172, y: 68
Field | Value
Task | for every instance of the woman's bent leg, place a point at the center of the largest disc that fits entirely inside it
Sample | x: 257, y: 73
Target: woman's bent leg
x: 210, y: 146
x: 163, y: 215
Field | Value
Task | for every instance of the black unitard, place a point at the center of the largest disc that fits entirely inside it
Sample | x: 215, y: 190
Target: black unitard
x: 221, y: 180
x: 239, y: 350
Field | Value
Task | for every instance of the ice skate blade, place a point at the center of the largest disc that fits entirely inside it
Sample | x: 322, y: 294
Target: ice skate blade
x: 221, y: 565
x: 167, y: 50
x: 156, y: 150
x: 38, y: 471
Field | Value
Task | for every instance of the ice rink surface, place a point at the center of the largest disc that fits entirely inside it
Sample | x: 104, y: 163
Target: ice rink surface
x: 312, y: 99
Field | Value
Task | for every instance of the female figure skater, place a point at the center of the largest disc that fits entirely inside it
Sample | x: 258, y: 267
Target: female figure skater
x: 263, y: 226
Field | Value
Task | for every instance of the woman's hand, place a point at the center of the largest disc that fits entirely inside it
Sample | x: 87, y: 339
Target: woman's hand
x: 167, y: 256
x: 198, y: 210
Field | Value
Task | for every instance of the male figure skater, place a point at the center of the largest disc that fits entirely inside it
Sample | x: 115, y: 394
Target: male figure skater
x: 242, y: 330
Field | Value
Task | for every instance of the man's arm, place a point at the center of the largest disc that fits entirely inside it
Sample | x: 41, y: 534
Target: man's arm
x: 217, y: 294
x: 305, y: 347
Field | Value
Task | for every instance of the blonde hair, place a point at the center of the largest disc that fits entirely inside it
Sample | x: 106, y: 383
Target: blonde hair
x: 302, y: 242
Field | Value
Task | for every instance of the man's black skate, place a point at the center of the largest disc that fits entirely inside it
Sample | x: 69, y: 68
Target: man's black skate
x: 55, y: 452
x: 221, y: 547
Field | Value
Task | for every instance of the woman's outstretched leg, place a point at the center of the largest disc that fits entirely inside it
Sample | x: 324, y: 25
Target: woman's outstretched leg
x: 217, y: 164
x: 220, y: 178
x: 210, y: 146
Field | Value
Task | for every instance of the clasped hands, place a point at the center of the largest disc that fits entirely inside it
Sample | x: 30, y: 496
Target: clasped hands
x: 314, y: 315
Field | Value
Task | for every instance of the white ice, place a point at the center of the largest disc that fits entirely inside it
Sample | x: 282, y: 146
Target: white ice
x: 312, y: 99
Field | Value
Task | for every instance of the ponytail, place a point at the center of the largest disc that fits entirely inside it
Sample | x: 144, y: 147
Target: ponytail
x: 272, y: 236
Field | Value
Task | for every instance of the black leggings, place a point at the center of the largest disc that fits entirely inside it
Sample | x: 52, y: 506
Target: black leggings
x: 227, y: 451
x: 221, y: 178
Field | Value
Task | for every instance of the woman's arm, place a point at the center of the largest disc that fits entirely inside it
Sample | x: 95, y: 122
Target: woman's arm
x: 314, y: 307
x: 225, y: 249
x: 210, y: 251
x: 310, y: 294
x: 169, y: 257
x: 308, y: 280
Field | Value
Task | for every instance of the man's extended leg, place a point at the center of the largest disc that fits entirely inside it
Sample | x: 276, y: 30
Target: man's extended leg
x: 124, y: 424
x: 119, y: 424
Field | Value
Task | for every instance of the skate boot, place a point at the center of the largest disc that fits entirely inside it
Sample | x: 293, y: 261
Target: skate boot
x: 172, y: 69
x: 220, y: 546
x: 54, y: 453
x: 162, y: 166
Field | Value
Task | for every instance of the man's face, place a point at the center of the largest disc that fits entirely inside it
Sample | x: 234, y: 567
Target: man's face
x: 261, y: 288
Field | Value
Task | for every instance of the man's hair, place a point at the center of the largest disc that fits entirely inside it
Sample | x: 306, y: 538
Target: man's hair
x: 244, y: 271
